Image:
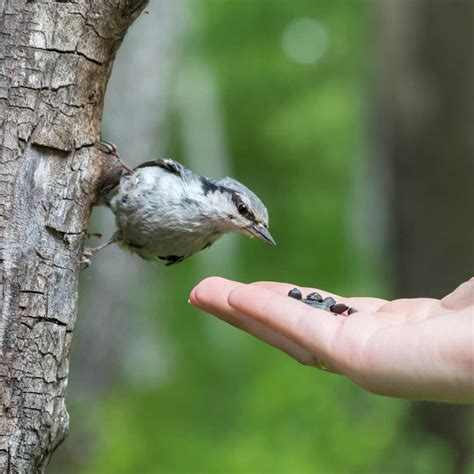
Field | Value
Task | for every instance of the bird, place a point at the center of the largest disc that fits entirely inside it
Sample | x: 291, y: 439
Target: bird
x: 165, y: 211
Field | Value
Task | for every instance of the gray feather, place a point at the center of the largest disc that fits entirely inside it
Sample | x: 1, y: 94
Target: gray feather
x: 166, y: 211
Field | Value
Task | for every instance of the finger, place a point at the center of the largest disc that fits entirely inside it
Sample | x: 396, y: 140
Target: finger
x: 211, y: 296
x: 311, y: 328
x: 360, y: 303
x: 461, y: 297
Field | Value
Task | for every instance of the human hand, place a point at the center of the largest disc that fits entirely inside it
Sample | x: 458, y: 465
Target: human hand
x: 417, y: 348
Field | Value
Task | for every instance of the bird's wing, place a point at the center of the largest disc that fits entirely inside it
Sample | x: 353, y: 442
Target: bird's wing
x: 165, y: 163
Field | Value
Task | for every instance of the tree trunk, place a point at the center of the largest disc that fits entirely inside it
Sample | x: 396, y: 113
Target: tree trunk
x: 55, y: 60
x: 426, y: 105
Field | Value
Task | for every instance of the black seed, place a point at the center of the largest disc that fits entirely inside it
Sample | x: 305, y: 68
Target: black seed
x: 339, y: 308
x: 315, y: 296
x: 329, y: 301
x: 295, y: 293
x: 352, y: 311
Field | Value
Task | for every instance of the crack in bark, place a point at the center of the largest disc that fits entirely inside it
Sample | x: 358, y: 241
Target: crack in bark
x: 51, y: 95
x: 73, y: 52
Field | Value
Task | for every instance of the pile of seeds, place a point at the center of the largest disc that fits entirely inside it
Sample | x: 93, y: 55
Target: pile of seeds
x: 317, y: 301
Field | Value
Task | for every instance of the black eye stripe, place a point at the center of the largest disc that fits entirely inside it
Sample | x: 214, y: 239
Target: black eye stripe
x: 242, y: 207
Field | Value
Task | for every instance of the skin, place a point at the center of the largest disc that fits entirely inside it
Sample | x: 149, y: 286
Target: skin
x: 420, y: 349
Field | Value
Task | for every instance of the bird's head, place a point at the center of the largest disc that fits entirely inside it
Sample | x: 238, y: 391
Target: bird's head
x: 243, y: 211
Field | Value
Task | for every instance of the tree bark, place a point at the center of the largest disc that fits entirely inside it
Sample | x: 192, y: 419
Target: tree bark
x: 55, y: 61
x: 426, y: 111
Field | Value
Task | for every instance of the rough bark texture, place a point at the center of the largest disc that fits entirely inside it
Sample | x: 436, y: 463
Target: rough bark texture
x: 427, y: 97
x: 55, y: 60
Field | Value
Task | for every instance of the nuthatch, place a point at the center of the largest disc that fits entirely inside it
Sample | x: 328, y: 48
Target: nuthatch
x: 166, y: 211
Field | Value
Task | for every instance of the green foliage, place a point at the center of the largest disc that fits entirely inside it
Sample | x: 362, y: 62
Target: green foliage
x: 295, y: 133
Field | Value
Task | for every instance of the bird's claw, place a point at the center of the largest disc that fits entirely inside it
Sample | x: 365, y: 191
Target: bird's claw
x: 86, y: 258
x: 111, y: 149
x: 107, y: 147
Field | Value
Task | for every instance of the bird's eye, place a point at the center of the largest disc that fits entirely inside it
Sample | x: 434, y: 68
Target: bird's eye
x: 243, y: 209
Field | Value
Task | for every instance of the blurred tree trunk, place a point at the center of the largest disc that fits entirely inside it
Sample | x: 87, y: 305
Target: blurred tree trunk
x: 427, y: 112
x: 55, y: 61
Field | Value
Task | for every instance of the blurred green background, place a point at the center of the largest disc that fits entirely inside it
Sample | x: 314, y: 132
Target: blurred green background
x: 285, y: 96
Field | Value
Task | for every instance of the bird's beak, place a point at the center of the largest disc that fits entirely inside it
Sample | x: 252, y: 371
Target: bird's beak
x: 262, y: 233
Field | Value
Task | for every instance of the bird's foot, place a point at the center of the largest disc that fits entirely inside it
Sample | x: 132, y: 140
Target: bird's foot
x: 88, y: 252
x: 107, y: 147
x: 111, y: 149
x: 86, y: 258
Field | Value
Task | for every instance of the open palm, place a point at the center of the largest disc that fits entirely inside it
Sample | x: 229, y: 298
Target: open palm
x: 415, y: 348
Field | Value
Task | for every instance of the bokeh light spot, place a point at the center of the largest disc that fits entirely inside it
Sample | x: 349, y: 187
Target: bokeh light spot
x: 305, y: 40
